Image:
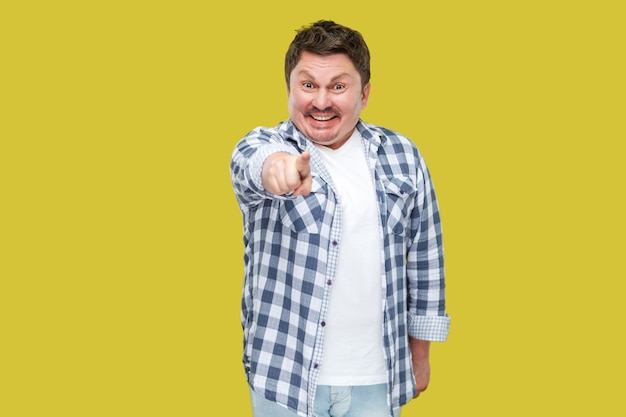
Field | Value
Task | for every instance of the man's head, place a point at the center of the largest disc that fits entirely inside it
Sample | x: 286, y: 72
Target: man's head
x: 326, y: 37
x: 327, y: 72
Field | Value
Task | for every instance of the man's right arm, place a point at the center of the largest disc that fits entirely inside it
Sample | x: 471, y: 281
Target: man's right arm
x: 247, y: 162
x: 283, y: 172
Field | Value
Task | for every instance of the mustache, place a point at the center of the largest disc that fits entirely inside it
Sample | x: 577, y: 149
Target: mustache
x: 325, y: 112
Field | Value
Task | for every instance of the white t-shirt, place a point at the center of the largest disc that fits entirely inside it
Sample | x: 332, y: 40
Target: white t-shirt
x: 353, y: 344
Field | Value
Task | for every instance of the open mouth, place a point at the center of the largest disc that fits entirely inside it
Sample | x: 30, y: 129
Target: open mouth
x: 322, y: 118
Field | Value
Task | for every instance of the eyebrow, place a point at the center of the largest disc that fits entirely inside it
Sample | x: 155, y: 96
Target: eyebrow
x: 335, y: 78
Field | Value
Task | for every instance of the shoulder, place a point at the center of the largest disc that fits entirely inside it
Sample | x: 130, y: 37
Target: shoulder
x: 283, y: 133
x: 267, y: 132
x: 388, y: 138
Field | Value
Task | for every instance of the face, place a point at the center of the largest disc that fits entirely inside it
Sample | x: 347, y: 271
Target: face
x: 326, y: 98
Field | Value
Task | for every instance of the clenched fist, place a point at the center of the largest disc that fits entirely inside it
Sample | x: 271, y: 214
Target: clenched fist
x: 283, y: 172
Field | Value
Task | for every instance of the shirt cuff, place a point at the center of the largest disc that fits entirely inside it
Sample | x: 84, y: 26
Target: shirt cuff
x: 432, y: 328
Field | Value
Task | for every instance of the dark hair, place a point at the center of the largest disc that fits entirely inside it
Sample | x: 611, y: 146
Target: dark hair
x: 326, y: 37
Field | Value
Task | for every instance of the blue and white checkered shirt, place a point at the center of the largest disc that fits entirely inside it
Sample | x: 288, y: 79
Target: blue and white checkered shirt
x: 291, y: 247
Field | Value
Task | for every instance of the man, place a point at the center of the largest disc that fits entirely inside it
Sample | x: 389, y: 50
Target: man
x: 344, y: 283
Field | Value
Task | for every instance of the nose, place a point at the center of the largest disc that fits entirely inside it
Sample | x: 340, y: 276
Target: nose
x: 322, y: 99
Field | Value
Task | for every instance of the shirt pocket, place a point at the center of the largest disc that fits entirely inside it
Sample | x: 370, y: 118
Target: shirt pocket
x: 304, y: 214
x: 400, y: 194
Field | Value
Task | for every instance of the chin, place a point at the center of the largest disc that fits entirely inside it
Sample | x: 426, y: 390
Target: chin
x: 323, y: 140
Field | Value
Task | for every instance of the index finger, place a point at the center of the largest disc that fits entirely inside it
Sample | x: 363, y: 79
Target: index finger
x: 303, y: 164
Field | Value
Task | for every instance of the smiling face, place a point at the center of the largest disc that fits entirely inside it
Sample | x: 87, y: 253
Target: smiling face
x: 326, y: 98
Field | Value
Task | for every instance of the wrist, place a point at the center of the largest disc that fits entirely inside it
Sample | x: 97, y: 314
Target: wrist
x: 420, y: 349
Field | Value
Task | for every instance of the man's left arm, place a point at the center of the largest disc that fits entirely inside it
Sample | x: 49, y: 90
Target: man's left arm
x: 428, y: 320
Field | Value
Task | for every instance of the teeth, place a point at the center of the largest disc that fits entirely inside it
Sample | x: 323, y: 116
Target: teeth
x: 322, y: 118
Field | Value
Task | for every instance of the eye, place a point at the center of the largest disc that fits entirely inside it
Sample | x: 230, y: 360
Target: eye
x: 339, y: 87
x: 307, y: 85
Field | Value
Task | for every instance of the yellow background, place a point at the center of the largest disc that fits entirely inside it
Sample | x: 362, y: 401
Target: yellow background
x: 121, y: 248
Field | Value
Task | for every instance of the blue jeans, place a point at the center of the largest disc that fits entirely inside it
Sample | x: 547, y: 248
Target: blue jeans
x: 331, y: 401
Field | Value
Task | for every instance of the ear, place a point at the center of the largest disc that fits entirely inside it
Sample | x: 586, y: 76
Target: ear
x: 365, y: 94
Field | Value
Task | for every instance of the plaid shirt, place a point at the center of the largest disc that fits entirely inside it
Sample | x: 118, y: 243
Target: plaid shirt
x: 291, y: 247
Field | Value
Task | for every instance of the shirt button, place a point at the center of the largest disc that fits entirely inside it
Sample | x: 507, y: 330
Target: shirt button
x: 315, y: 365
x: 323, y: 323
x: 334, y: 243
x: 329, y: 282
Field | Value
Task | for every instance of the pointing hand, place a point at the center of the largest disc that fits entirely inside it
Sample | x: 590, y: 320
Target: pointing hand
x: 283, y: 172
